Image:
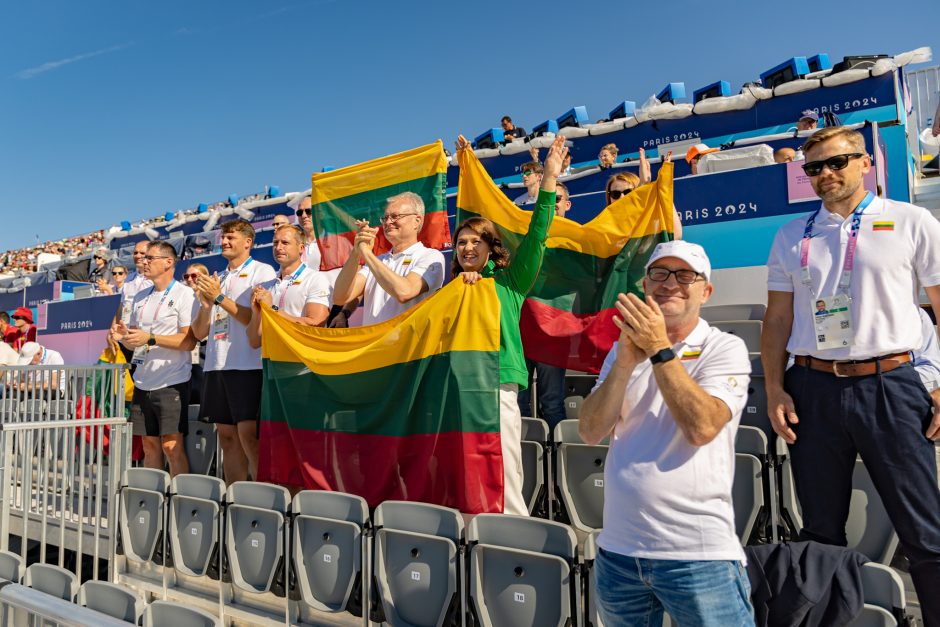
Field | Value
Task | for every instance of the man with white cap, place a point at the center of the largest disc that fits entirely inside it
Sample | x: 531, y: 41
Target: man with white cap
x: 670, y: 397
x: 695, y: 153
x: 34, y: 354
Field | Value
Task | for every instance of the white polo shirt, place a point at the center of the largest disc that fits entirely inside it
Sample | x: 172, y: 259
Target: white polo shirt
x: 160, y: 315
x: 663, y: 497
x: 129, y: 290
x: 427, y: 263
x: 233, y: 352
x: 290, y: 296
x: 311, y: 255
x: 891, y: 263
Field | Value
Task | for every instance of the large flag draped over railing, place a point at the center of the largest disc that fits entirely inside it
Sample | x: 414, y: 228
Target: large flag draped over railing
x: 406, y: 409
x: 567, y: 319
x: 358, y: 192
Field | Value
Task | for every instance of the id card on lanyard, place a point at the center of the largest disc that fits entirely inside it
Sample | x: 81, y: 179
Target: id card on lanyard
x: 831, y: 315
x: 140, y: 353
x: 220, y: 318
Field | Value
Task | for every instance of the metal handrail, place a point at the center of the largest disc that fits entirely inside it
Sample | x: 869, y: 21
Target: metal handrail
x: 47, y: 607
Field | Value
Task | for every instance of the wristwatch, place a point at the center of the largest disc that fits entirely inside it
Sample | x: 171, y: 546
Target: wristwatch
x: 667, y: 354
x: 151, y: 341
x: 218, y: 299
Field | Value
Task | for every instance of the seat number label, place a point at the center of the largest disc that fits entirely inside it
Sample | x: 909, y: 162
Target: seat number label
x: 328, y: 558
x: 415, y: 575
x: 254, y: 544
x: 598, y: 483
x: 518, y: 597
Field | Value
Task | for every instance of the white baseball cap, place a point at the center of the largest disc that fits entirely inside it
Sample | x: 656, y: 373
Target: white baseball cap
x: 692, y: 254
x: 29, y: 350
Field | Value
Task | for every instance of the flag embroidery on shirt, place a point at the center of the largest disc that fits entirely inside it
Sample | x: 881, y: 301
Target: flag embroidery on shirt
x: 689, y: 355
x: 882, y: 226
x: 406, y: 261
x: 243, y: 275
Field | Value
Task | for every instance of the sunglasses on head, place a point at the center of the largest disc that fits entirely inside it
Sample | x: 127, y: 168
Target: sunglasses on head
x: 838, y: 162
x: 617, y: 194
x: 301, y: 212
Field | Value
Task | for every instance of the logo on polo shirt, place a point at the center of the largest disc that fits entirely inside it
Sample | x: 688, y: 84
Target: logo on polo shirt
x: 243, y: 275
x: 691, y: 354
x: 406, y: 261
x: 883, y: 225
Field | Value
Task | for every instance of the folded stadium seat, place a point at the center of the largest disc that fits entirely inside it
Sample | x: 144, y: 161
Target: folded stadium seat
x: 11, y: 567
x: 737, y: 159
x: 755, y: 409
x: 112, y: 599
x: 573, y: 407
x: 747, y: 495
x: 579, y: 478
x: 195, y: 521
x: 418, y: 568
x: 535, y: 430
x: 724, y: 313
x: 53, y: 580
x: 747, y: 330
x: 202, y: 445
x: 885, y: 602
x: 329, y: 529
x: 523, y: 572
x: 168, y: 614
x: 752, y: 441
x: 590, y: 601
x: 193, y: 410
x: 868, y: 529
x: 255, y: 551
x: 536, y: 466
x: 141, y: 523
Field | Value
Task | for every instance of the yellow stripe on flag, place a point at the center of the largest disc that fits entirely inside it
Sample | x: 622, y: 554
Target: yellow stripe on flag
x: 459, y: 317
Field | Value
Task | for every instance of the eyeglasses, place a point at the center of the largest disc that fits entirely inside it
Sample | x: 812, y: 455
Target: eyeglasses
x: 191, y: 277
x: 152, y: 257
x: 113, y: 273
x: 301, y: 212
x: 661, y: 275
x: 617, y: 194
x: 395, y: 217
x: 838, y: 162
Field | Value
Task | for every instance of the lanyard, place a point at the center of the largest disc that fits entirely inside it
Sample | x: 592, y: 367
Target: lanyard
x: 290, y: 281
x: 228, y: 273
x: 159, y: 305
x: 846, y: 278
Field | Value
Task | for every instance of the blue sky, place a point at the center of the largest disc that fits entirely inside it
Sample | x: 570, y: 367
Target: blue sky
x: 124, y: 110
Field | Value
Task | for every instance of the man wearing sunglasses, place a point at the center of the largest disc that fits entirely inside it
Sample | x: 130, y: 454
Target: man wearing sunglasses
x: 311, y: 252
x: 532, y: 179
x: 118, y: 278
x: 670, y: 396
x: 853, y: 389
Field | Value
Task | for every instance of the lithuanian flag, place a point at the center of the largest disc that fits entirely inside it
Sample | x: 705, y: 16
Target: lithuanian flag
x: 406, y: 409
x: 567, y: 320
x: 358, y: 192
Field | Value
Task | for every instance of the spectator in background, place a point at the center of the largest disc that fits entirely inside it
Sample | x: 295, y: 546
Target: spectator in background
x: 198, y: 357
x: 531, y: 178
x: 8, y: 356
x: 511, y: 132
x: 8, y: 332
x: 607, y: 157
x: 936, y: 122
x: 566, y: 165
x: 694, y: 155
x: 784, y: 155
x: 562, y: 200
x: 808, y: 121
x: 279, y: 220
x: 619, y: 185
x: 118, y: 278
x: 25, y: 329
x: 100, y: 273
x: 311, y: 252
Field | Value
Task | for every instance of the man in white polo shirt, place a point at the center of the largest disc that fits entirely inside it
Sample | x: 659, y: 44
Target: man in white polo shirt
x: 670, y: 395
x: 853, y: 389
x: 231, y: 396
x: 158, y: 334
x: 398, y: 280
x: 299, y: 293
x: 49, y: 383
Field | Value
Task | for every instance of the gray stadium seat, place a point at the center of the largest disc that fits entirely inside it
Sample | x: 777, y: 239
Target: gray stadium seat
x: 536, y: 486
x: 418, y: 570
x: 328, y: 547
x: 53, y: 580
x: 752, y: 441
x: 143, y: 497
x: 11, y: 567
x: 590, y: 598
x: 201, y: 446
x: 747, y: 330
x: 535, y: 430
x: 566, y: 431
x: 168, y: 614
x: 254, y: 533
x: 755, y: 408
x: 112, y: 599
x: 195, y: 513
x: 724, y: 313
x: 523, y: 572
x: 581, y: 483
x: 747, y: 494
x: 573, y: 406
x: 194, y: 411
x: 533, y: 473
x: 885, y: 603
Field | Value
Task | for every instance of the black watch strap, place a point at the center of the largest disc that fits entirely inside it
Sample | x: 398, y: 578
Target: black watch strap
x: 667, y: 354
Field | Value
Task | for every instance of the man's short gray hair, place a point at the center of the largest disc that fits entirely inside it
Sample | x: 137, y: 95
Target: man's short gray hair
x: 416, y: 202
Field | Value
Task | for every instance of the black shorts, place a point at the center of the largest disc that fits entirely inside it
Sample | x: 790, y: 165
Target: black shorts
x: 231, y: 396
x: 161, y: 412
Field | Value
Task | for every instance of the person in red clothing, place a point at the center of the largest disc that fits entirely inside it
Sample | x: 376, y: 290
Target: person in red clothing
x: 8, y: 332
x: 25, y: 329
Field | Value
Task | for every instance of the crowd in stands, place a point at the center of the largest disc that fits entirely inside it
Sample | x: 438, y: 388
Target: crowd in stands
x: 25, y: 260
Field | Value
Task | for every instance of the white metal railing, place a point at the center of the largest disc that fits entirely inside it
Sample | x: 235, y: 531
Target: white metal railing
x: 57, y: 479
x: 19, y: 604
x: 924, y: 88
x: 43, y: 393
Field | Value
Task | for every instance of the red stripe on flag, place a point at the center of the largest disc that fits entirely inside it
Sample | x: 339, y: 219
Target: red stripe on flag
x: 335, y: 247
x: 561, y: 338
x: 380, y: 468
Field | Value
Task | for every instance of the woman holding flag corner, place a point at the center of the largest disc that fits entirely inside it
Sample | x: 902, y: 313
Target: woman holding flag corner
x: 479, y: 254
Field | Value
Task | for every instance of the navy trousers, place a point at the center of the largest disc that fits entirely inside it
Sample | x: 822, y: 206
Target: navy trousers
x: 551, y: 393
x: 883, y: 418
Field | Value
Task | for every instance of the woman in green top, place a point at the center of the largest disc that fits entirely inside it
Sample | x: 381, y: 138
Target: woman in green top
x: 478, y: 254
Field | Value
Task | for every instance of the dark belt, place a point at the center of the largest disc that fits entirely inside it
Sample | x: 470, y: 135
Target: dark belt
x: 859, y: 368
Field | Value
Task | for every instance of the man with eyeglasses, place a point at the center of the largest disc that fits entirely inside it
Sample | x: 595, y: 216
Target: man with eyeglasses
x: 397, y: 280
x: 853, y: 389
x: 532, y: 179
x: 158, y: 334
x: 670, y: 396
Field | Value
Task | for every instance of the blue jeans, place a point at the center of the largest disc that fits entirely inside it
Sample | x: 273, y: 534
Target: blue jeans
x: 634, y: 591
x: 551, y: 393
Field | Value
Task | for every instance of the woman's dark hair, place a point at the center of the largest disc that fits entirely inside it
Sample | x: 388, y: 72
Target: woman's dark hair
x: 488, y: 233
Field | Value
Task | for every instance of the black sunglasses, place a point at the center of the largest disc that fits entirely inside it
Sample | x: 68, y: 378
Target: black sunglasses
x: 838, y: 162
x: 617, y: 194
x: 301, y: 212
x: 117, y: 273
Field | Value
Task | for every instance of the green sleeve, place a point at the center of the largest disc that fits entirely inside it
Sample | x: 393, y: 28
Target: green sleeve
x: 525, y: 265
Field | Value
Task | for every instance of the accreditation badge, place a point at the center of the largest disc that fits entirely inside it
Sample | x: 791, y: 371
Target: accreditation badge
x: 220, y: 324
x: 140, y: 355
x: 832, y: 321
